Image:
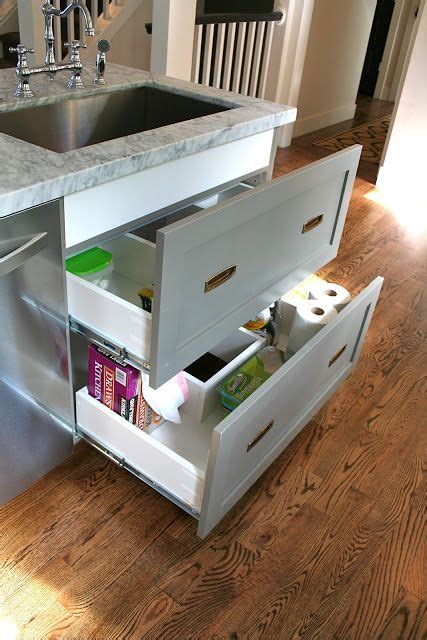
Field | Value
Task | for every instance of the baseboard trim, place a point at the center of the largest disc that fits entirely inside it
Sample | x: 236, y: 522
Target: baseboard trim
x: 325, y: 119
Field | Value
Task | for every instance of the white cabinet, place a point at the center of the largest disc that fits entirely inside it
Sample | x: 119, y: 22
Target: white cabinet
x: 212, y: 269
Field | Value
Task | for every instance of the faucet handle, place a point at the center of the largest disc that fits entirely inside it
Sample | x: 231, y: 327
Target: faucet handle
x: 22, y: 71
x: 21, y: 50
x: 75, y: 45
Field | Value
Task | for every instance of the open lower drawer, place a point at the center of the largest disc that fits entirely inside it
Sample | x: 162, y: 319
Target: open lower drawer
x: 215, y: 268
x: 209, y: 465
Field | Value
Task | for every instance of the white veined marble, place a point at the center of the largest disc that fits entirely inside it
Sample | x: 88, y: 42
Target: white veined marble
x: 31, y: 175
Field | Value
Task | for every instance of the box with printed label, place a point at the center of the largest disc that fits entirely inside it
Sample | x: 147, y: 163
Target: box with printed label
x: 114, y: 383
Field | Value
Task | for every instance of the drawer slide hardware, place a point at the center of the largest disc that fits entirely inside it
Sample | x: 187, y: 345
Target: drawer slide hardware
x: 260, y: 435
x: 106, y: 343
x: 312, y: 223
x: 121, y: 462
x: 220, y: 278
x: 337, y: 355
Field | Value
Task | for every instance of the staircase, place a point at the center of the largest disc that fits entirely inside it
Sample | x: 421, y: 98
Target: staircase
x: 8, y: 31
x: 7, y: 40
x: 109, y: 17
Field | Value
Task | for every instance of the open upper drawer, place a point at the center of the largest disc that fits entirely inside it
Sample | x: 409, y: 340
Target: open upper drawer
x: 216, y: 268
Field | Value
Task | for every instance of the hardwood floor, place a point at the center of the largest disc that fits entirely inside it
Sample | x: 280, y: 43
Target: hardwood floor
x: 368, y: 110
x: 330, y: 543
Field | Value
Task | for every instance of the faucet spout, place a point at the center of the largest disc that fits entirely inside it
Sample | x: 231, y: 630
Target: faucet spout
x: 79, y: 4
x: 89, y: 30
x: 49, y: 12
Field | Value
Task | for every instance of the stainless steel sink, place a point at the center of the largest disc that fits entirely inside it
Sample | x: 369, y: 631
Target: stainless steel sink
x: 81, y: 122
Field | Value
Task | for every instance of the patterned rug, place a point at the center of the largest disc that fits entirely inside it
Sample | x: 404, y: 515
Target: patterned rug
x: 372, y: 136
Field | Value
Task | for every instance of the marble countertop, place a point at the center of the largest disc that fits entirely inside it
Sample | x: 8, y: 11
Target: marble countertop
x: 31, y: 175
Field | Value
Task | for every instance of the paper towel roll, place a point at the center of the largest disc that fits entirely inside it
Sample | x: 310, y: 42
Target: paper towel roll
x: 330, y: 293
x: 310, y: 317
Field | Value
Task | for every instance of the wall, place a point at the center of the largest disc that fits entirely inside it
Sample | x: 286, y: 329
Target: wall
x: 402, y: 173
x: 287, y: 57
x: 131, y: 45
x: 336, y: 49
x: 396, y: 48
x: 8, y: 17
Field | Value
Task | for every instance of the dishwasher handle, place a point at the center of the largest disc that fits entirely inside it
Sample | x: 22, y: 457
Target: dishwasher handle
x: 16, y: 258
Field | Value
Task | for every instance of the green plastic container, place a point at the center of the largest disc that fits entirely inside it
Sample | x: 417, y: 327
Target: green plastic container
x: 94, y: 265
x: 88, y: 262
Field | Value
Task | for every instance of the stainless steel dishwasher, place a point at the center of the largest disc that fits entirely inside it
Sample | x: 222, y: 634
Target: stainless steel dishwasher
x: 36, y: 406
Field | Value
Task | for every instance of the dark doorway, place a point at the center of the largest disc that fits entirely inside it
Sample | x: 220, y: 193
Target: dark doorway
x: 376, y: 45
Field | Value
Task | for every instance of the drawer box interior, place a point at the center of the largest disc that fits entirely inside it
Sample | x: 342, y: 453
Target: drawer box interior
x: 173, y: 456
x: 205, y: 375
x: 116, y: 312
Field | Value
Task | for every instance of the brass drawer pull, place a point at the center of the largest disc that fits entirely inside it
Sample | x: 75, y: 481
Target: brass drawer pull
x: 312, y: 223
x: 219, y: 278
x: 337, y: 355
x: 259, y: 435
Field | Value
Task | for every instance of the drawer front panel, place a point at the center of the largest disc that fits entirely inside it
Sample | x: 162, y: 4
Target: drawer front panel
x: 247, y: 442
x: 217, y: 268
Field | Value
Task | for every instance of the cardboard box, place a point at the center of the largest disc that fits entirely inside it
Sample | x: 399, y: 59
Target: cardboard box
x: 118, y: 386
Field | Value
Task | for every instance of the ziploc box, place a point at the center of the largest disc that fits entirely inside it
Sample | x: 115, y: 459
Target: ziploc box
x: 113, y: 382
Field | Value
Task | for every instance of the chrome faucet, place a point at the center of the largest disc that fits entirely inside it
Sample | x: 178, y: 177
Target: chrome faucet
x: 51, y: 67
x: 50, y: 12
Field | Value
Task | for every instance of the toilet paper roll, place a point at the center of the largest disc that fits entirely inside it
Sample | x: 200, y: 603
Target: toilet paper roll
x: 310, y: 317
x: 330, y: 293
x: 291, y: 299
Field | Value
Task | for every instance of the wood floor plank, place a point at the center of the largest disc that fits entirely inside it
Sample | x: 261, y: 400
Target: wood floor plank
x: 37, y: 595
x: 297, y: 490
x: 36, y: 494
x: 235, y: 574
x: 419, y: 495
x: 407, y: 392
x: 293, y: 578
x: 356, y: 462
x: 377, y: 595
x: 116, y: 548
x: 139, y: 621
x: 51, y: 624
x: 415, y: 578
x: 145, y: 604
x: 34, y: 541
x: 406, y: 619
